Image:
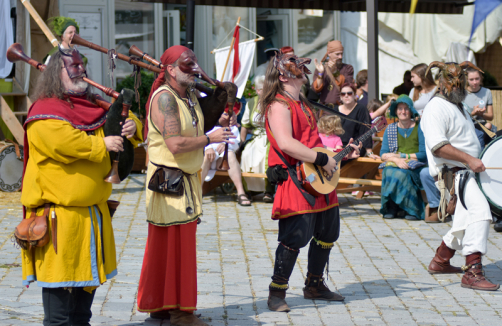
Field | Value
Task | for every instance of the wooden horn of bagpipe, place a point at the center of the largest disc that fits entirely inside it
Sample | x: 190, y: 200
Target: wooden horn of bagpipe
x: 117, y: 173
x: 80, y: 41
x: 231, y: 91
x: 134, y: 50
x: 16, y: 53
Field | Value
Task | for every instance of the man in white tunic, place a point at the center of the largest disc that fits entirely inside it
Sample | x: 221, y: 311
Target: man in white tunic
x: 451, y: 141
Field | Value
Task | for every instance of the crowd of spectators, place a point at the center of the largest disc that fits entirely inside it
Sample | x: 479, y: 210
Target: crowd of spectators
x: 404, y: 169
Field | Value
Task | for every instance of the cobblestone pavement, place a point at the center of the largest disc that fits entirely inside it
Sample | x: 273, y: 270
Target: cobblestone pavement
x: 380, y: 266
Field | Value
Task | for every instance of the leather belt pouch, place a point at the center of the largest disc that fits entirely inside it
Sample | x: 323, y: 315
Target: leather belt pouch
x: 452, y: 204
x: 112, y: 206
x: 167, y: 181
x: 33, y: 231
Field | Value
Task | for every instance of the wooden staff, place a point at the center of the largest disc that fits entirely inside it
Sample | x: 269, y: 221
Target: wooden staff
x: 224, y: 163
x: 40, y: 22
x: 230, y: 51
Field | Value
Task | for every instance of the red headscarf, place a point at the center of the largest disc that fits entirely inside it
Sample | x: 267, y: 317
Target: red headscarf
x: 169, y: 57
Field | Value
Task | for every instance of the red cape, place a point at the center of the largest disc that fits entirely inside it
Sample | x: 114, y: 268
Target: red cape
x: 84, y: 116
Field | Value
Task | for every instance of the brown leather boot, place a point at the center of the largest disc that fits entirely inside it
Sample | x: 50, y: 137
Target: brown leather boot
x: 474, y: 277
x: 440, y: 264
x: 163, y: 314
x: 316, y: 289
x: 433, y: 216
x: 183, y: 318
x: 276, y: 301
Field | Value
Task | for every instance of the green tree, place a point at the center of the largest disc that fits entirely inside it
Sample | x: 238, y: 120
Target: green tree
x: 147, y: 79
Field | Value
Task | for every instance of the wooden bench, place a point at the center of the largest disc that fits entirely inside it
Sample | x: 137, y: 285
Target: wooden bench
x: 350, y: 174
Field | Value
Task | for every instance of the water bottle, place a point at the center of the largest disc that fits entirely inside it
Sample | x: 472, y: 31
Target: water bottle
x: 481, y: 104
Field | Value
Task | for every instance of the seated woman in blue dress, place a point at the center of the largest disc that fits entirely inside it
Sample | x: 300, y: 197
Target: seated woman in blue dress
x: 403, y: 153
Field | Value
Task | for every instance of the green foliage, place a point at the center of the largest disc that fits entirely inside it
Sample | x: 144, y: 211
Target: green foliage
x: 60, y: 23
x: 489, y: 80
x: 147, y: 80
x: 249, y: 91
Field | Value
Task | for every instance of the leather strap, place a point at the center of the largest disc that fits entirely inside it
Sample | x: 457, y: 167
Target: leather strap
x: 453, y: 170
x: 292, y: 173
x: 54, y: 226
x: 33, y: 214
x: 16, y: 147
x: 33, y: 263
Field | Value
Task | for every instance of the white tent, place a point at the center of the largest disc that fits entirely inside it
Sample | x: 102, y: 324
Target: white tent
x: 406, y: 40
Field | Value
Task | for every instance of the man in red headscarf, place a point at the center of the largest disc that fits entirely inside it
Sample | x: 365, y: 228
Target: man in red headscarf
x: 330, y: 76
x: 176, y: 139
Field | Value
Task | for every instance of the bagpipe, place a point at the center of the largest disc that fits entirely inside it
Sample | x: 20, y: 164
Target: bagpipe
x: 212, y: 105
x: 115, y: 117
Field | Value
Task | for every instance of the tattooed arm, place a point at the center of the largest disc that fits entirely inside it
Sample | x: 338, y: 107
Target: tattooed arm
x: 166, y: 117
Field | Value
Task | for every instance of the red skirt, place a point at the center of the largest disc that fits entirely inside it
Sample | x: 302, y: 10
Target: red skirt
x: 169, y: 274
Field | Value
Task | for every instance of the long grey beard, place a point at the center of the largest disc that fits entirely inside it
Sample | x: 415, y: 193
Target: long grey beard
x: 80, y: 86
x: 76, y: 86
x: 457, y: 96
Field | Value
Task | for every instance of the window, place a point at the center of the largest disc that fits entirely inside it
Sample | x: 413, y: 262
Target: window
x: 224, y: 20
x: 134, y: 25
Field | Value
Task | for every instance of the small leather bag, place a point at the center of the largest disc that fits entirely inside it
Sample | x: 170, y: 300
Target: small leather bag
x: 167, y: 181
x: 112, y: 206
x: 33, y: 231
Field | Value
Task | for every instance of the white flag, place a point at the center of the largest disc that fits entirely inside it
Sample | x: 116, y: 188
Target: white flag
x: 246, y: 55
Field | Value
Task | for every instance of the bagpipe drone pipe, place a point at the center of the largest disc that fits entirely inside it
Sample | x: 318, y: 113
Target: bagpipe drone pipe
x: 116, y: 116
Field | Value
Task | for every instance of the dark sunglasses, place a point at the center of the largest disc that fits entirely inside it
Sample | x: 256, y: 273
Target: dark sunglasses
x: 348, y: 93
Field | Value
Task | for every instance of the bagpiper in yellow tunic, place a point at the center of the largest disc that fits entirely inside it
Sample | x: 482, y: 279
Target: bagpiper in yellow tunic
x: 66, y: 167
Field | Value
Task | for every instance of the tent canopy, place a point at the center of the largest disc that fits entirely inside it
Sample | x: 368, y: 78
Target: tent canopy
x: 372, y: 7
x: 423, y: 6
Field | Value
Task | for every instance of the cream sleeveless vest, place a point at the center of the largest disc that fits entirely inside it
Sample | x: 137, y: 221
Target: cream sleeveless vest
x: 165, y: 210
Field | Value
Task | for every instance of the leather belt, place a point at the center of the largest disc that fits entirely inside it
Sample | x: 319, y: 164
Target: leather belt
x: 453, y: 170
x: 456, y: 169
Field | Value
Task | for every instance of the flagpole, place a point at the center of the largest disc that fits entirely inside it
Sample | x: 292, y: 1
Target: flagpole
x: 230, y: 51
x: 224, y: 162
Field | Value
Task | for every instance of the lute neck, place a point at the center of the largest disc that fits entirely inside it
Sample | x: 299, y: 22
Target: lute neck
x: 346, y: 151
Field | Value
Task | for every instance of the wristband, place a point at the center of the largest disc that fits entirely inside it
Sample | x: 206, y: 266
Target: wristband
x: 402, y: 155
x: 369, y: 153
x: 319, y: 74
x: 409, y: 156
x: 321, y: 159
x: 208, y: 140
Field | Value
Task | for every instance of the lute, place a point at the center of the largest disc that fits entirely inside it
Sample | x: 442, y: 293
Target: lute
x: 316, y: 180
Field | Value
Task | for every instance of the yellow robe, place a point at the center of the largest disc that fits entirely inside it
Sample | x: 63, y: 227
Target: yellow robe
x: 66, y: 167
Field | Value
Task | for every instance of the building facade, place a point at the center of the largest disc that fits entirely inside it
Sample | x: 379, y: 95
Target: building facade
x: 153, y: 27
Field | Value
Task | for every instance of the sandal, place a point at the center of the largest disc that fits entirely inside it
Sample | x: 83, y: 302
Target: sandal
x: 243, y: 198
x: 268, y: 198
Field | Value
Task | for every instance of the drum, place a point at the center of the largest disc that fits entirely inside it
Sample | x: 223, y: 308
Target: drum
x: 11, y: 166
x: 490, y: 181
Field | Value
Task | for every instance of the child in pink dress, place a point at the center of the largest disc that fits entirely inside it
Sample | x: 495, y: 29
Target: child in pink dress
x: 330, y: 128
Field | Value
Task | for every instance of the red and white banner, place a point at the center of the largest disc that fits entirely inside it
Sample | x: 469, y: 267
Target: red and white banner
x: 238, y: 72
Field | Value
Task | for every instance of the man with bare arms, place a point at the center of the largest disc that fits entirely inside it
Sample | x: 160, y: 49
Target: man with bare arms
x: 176, y: 139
